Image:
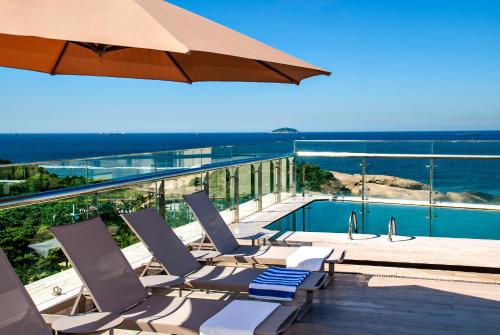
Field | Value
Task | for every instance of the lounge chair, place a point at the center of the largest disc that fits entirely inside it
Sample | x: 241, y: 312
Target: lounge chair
x: 230, y: 251
x: 115, y: 287
x: 176, y: 260
x: 18, y: 313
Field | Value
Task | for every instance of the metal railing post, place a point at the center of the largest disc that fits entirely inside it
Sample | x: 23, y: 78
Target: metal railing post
x: 363, y: 173
x: 206, y: 183
x: 287, y: 173
x: 228, y: 189
x: 431, y: 179
x: 259, y: 188
x: 304, y: 179
x: 271, y: 177
x: 279, y: 181
x: 294, y: 176
x: 236, y: 200
x: 161, y: 199
x: 252, y: 181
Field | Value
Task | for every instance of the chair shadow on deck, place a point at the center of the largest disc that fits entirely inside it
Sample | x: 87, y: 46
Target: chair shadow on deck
x: 384, y: 305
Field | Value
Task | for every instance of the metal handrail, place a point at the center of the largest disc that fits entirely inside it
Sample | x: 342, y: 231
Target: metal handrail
x: 399, y: 141
x: 66, y: 193
x: 138, y: 154
x: 391, y: 228
x: 373, y: 155
x: 353, y: 224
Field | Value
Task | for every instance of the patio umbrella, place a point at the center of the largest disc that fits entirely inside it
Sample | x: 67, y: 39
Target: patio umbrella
x: 148, y: 39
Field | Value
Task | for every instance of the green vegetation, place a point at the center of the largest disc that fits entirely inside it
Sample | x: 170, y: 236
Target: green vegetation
x: 315, y: 177
x: 25, y: 226
x: 21, y: 227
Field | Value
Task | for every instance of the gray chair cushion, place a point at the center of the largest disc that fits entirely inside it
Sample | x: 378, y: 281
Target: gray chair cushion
x: 18, y: 313
x: 162, y: 242
x: 212, y: 222
x: 101, y: 265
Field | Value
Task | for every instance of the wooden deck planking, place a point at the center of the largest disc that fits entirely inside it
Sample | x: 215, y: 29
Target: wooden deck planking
x: 365, y: 304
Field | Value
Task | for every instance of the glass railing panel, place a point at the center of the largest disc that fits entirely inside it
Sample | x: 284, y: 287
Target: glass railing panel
x: 467, y: 147
x: 399, y: 147
x: 177, y: 212
x: 111, y: 204
x: 268, y: 197
x: 240, y: 152
x: 336, y: 146
x: 18, y: 180
x: 221, y: 154
x: 466, y: 181
x: 24, y: 231
x: 246, y: 191
x: 329, y: 176
x: 285, y: 179
x: 394, y: 178
x: 219, y: 189
x: 27, y: 241
x: 120, y: 167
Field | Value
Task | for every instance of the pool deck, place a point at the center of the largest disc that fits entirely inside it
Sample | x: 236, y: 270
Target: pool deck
x: 433, y: 252
x: 358, y: 304
x: 368, y: 299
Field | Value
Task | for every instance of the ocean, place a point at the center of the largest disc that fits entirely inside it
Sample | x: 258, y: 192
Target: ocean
x: 482, y: 177
x: 25, y: 148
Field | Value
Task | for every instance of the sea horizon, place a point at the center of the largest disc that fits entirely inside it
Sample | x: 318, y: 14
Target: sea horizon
x: 41, y: 147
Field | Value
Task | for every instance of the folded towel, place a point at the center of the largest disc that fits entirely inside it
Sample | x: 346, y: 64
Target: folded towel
x: 277, y: 284
x: 308, y: 258
x: 238, y: 318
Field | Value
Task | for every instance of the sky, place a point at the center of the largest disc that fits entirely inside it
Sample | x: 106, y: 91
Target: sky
x: 397, y: 65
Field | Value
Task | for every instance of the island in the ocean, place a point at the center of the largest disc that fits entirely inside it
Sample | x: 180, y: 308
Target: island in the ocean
x: 285, y: 130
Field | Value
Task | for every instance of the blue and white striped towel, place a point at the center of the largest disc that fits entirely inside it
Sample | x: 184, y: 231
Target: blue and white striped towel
x: 277, y: 284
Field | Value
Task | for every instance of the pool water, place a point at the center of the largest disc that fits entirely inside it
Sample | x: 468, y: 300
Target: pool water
x: 333, y: 216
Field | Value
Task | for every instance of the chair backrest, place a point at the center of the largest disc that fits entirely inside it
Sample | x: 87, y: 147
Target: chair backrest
x: 162, y: 242
x: 101, y: 265
x: 18, y: 313
x: 213, y: 223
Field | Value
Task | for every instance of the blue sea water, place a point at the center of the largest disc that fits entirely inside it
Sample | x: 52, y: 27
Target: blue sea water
x: 24, y: 148
x: 449, y: 175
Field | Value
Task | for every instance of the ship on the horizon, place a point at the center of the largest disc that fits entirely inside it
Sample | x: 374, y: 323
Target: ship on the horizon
x: 112, y: 134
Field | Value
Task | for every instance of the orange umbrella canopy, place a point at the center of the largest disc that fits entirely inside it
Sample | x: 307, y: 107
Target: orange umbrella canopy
x: 148, y: 39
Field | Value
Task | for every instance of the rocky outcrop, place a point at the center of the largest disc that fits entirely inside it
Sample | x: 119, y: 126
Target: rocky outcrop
x: 390, y: 187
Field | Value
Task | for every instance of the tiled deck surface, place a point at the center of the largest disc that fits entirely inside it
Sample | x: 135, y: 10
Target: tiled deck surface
x: 404, y: 249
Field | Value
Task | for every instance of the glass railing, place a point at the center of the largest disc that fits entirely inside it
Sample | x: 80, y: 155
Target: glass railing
x: 440, y: 172
x: 232, y: 184
x: 240, y: 180
x: 21, y: 179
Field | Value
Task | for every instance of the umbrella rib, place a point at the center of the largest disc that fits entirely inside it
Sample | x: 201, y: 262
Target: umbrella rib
x: 275, y: 70
x: 59, y: 58
x: 177, y: 65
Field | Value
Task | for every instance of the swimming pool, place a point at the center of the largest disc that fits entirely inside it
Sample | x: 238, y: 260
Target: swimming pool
x: 333, y: 216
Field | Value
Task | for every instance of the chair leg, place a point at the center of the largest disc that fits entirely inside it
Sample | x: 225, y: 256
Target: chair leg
x: 305, y: 307
x: 330, y: 273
